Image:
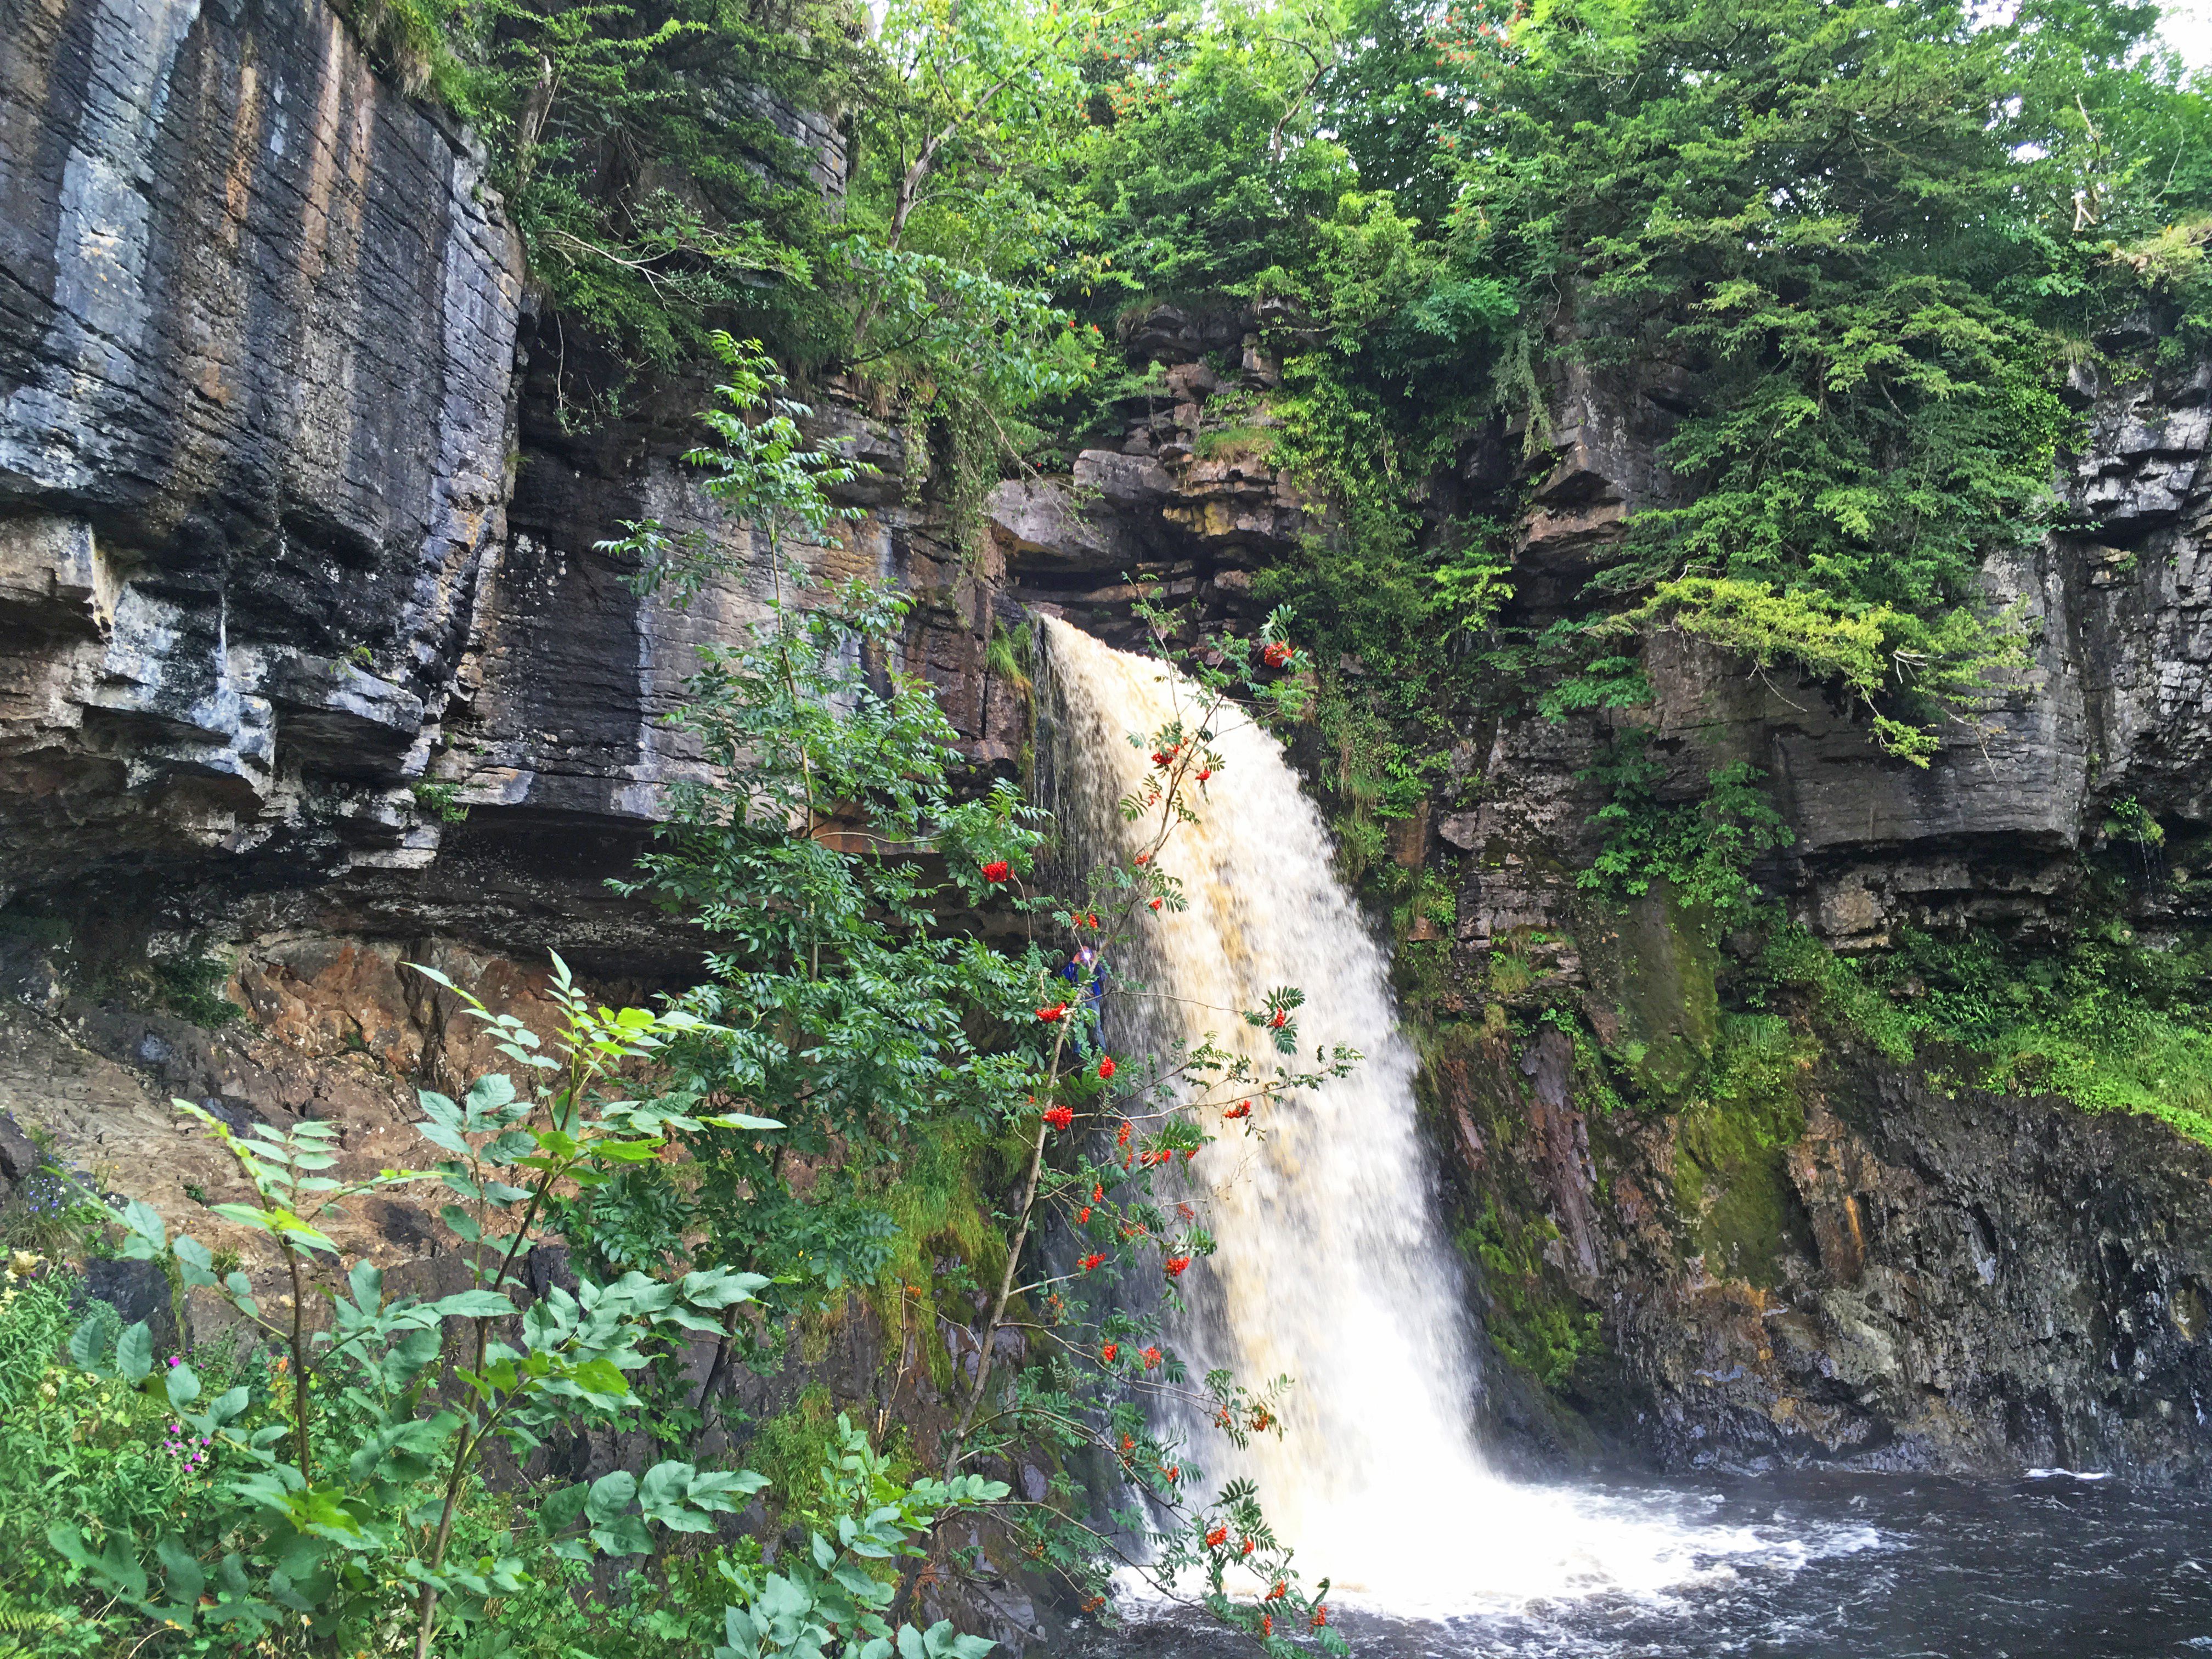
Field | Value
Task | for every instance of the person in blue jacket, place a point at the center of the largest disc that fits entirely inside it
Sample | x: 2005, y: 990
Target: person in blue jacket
x: 1086, y: 971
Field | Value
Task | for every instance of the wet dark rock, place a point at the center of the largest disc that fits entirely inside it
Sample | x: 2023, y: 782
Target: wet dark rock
x: 138, y: 1292
x: 20, y: 1157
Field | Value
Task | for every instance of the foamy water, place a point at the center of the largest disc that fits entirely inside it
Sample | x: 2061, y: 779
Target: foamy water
x: 1333, y: 1267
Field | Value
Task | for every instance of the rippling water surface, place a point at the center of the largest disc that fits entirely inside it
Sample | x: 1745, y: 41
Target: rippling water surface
x: 1833, y: 1567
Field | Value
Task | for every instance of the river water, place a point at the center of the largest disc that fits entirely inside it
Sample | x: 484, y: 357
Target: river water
x: 1333, y: 1271
x: 1846, y: 1566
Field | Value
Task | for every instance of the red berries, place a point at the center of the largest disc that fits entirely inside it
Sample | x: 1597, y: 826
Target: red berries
x: 1242, y: 1108
x: 1156, y: 904
x: 1174, y: 1265
x: 1217, y: 1538
x: 1320, y: 1615
x: 1266, y: 1624
x: 1059, y: 1116
x: 1204, y: 773
x: 1090, y: 1261
x: 1151, y: 1358
x: 1108, y: 1352
x: 1276, y: 1023
x: 1048, y: 1015
x: 1083, y: 1217
x: 1280, y: 1590
x: 1246, y: 1547
x: 996, y: 871
x: 1143, y: 858
x: 1277, y: 653
x: 1106, y: 1066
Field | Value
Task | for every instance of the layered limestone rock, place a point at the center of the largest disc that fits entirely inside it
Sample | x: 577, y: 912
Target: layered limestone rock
x: 1185, y: 510
x: 297, y: 561
x: 254, y: 352
x: 2112, y: 705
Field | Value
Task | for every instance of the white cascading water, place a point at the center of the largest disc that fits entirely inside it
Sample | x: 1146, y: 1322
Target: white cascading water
x: 1331, y: 1268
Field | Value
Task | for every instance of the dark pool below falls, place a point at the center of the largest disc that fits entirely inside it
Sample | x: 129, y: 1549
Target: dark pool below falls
x: 1830, y: 1566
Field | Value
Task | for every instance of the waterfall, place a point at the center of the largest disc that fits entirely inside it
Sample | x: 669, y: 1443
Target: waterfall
x: 1332, y: 1267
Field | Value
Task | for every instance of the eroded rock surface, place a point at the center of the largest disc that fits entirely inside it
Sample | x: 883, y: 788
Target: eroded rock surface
x: 254, y: 350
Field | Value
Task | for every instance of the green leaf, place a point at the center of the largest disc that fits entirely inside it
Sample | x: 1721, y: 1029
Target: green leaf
x: 440, y: 1135
x: 611, y: 1495
x: 88, y: 1345
x: 134, y: 1353
x: 489, y: 1092
x: 744, y: 1121
x: 113, y: 1566
x: 719, y: 1287
x: 181, y: 1386
x: 183, y: 1577
x: 226, y: 1405
x: 366, y: 1281
x: 558, y: 1512
x: 472, y: 1305
x: 629, y: 1152
x: 624, y: 1535
x: 144, y: 1219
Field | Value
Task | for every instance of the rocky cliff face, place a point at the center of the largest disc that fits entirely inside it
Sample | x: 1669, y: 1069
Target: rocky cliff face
x: 295, y: 549
x: 297, y: 562
x: 254, y: 351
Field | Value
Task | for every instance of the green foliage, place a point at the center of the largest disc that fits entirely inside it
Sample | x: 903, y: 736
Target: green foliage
x: 655, y: 195
x: 440, y: 801
x: 338, y: 1489
x: 1534, y: 1321
x: 1815, y: 211
x: 2130, y: 821
x: 1857, y: 236
x: 1704, y: 848
x: 2107, y: 1021
x: 80, y: 1450
x: 51, y: 1213
x: 193, y: 987
x: 1730, y: 1178
x: 836, y: 1587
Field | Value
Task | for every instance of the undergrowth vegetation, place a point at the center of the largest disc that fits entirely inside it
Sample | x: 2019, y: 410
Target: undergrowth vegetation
x: 857, y: 1103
